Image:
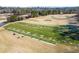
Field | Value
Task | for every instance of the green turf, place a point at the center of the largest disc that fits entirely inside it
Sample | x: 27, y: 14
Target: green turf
x: 56, y: 35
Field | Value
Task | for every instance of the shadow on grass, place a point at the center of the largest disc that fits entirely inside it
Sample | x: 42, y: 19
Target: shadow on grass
x: 70, y: 31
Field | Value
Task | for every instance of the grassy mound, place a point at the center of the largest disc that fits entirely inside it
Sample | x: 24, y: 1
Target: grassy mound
x: 64, y: 34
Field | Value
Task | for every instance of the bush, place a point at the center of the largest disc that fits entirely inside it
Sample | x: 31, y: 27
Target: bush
x: 14, y: 18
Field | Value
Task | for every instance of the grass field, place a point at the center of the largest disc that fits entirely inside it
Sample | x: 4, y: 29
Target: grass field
x: 64, y: 34
x: 2, y: 18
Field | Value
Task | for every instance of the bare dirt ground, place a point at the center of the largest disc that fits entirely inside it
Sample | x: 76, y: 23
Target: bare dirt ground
x: 18, y: 43
x: 10, y: 43
x: 2, y: 17
x: 51, y: 20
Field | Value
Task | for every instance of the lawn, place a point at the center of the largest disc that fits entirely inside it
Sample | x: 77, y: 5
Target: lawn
x: 63, y: 34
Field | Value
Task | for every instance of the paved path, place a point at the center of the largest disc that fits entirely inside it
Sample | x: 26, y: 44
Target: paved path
x: 2, y: 22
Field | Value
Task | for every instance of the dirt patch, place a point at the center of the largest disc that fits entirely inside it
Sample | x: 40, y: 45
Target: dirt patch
x: 10, y: 43
x: 50, y: 20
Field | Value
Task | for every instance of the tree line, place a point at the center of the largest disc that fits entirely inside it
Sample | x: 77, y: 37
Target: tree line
x: 37, y: 12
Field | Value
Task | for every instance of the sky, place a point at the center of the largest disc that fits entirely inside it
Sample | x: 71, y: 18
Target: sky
x: 40, y: 3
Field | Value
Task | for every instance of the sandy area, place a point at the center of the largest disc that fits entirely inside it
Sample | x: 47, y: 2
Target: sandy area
x: 2, y: 17
x: 16, y: 43
x: 50, y: 20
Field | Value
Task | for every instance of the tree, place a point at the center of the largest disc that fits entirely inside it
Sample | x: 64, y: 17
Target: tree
x: 12, y: 18
x: 34, y: 13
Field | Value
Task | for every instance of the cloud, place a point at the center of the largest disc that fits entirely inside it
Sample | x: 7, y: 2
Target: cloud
x: 27, y: 3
